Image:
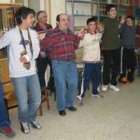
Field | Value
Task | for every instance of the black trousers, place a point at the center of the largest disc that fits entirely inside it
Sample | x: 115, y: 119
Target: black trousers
x: 41, y: 68
x: 127, y: 63
x: 111, y: 66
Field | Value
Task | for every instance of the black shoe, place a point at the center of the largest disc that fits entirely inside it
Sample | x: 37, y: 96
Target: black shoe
x: 62, y: 113
x: 25, y: 127
x: 71, y: 108
x: 35, y: 125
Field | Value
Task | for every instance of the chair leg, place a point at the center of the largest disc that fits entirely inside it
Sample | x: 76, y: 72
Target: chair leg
x: 47, y: 101
x: 40, y: 110
x: 44, y: 98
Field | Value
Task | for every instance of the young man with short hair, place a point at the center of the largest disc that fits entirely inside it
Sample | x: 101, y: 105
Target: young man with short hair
x: 111, y: 50
x: 23, y: 49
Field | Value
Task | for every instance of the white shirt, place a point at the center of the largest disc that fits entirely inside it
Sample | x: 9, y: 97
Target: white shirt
x: 12, y: 40
x: 91, y: 47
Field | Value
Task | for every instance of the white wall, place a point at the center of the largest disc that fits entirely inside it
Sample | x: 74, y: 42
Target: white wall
x: 34, y: 4
x: 56, y: 8
x: 5, y: 1
x: 53, y: 8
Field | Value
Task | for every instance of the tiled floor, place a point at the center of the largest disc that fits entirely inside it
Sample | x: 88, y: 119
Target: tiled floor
x: 116, y: 117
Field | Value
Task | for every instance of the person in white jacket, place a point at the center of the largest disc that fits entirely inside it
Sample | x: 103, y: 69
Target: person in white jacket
x: 23, y: 48
x: 91, y: 58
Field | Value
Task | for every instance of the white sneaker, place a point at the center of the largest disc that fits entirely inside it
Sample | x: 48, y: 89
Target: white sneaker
x: 79, y: 97
x: 104, y: 88
x: 114, y: 88
x: 97, y: 96
x: 80, y: 100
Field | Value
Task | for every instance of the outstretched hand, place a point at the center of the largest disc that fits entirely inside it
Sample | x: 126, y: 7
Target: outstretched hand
x: 81, y: 33
x: 100, y: 27
x: 123, y: 19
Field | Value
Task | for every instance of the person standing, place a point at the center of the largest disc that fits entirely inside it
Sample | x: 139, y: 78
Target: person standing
x: 127, y: 33
x: 91, y: 59
x: 4, y: 120
x: 138, y: 45
x: 23, y: 49
x: 42, y: 28
x: 111, y: 50
x: 60, y: 44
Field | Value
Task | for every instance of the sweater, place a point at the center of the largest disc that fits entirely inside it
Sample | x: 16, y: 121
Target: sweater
x: 91, y: 47
x: 127, y: 34
x: 110, y: 39
x: 12, y: 40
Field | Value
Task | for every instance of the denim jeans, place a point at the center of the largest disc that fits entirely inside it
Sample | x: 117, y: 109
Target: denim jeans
x: 4, y: 120
x: 66, y: 82
x: 27, y: 105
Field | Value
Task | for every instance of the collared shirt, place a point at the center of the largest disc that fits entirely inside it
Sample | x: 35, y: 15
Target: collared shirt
x: 60, y: 45
x: 38, y: 27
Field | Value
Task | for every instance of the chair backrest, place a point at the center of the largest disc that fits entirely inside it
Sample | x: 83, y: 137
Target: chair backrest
x: 5, y: 79
x: 4, y: 71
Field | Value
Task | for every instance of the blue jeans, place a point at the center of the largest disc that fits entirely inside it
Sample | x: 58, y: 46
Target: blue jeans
x: 66, y: 82
x: 4, y: 120
x: 27, y: 105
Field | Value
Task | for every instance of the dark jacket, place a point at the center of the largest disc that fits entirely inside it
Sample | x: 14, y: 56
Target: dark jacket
x: 127, y: 35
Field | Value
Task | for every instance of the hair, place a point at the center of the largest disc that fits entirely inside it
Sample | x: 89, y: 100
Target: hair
x: 39, y: 13
x: 108, y: 8
x: 22, y: 13
x: 131, y: 17
x: 92, y: 19
x: 58, y: 16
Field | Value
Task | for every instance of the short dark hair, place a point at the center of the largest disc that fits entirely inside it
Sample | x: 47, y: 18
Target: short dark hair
x: 40, y: 12
x: 22, y: 13
x: 92, y: 19
x: 108, y: 8
x: 58, y: 17
x: 131, y: 17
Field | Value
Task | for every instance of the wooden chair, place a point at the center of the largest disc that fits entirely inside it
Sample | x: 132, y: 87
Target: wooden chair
x: 44, y: 98
x: 8, y: 88
x: 7, y: 85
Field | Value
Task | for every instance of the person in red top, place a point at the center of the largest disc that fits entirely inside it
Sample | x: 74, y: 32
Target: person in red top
x: 42, y: 27
x: 42, y: 24
x: 60, y: 44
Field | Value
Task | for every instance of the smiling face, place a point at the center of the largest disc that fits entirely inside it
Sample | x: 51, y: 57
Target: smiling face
x: 29, y: 20
x: 91, y: 27
x: 63, y: 22
x: 112, y: 13
x: 129, y: 22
